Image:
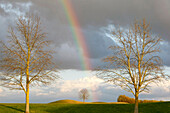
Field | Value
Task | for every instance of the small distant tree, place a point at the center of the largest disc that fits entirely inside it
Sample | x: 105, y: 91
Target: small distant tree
x: 135, y: 62
x: 84, y: 94
x: 26, y: 59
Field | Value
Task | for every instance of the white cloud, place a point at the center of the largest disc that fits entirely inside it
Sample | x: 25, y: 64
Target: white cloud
x: 88, y: 82
x: 69, y: 88
x: 44, y: 93
x: 17, y: 9
x: 1, y: 90
x: 165, y: 86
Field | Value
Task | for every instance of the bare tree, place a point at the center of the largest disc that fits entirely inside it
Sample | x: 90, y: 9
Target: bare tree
x: 26, y: 59
x: 84, y: 94
x: 135, y: 62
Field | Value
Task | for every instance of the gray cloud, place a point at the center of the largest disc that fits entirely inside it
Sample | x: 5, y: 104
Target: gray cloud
x: 92, y: 15
x: 122, y: 12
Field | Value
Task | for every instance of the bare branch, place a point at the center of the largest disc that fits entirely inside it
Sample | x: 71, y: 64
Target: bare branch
x: 134, y: 63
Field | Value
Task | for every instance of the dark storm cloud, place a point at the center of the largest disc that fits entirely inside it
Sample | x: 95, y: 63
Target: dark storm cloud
x: 92, y: 15
x: 101, y: 12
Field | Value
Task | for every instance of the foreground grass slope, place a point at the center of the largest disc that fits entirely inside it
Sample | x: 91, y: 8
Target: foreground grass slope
x: 161, y: 107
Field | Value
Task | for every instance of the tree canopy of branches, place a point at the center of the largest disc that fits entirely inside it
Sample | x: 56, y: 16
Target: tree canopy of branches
x: 84, y: 94
x: 135, y: 62
x: 26, y: 59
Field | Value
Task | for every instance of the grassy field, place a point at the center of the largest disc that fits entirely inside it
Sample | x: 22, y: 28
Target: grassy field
x: 161, y: 107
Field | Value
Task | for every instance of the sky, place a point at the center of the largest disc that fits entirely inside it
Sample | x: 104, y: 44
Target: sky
x: 94, y: 18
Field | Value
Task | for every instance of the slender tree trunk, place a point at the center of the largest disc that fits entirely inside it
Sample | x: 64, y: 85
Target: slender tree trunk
x: 27, y: 82
x: 83, y: 100
x: 136, y: 103
x: 27, y: 100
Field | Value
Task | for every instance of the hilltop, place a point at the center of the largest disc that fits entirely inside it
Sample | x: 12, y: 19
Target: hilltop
x: 67, y: 101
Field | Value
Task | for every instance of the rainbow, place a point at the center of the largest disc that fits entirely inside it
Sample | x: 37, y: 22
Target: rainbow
x: 77, y: 34
x: 78, y: 39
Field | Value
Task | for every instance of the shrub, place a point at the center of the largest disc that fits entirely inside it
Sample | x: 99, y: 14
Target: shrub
x: 124, y: 98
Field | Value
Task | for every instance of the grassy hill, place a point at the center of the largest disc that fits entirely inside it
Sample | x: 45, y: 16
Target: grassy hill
x: 67, y: 102
x: 78, y: 102
x: 64, y: 106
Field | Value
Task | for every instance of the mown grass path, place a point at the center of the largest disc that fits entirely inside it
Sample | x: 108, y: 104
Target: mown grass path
x: 162, y: 107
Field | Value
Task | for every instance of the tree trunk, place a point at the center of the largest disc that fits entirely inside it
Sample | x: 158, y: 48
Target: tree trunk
x: 136, y: 103
x: 83, y: 100
x: 27, y: 82
x: 27, y: 100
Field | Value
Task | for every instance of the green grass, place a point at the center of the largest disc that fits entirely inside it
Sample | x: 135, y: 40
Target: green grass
x: 162, y: 107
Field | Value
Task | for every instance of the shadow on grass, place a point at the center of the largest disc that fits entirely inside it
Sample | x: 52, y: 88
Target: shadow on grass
x: 12, y: 108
